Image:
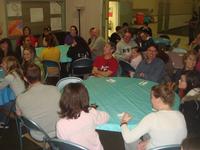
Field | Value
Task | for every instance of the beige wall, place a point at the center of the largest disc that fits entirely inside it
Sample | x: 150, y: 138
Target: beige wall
x: 180, y: 12
x: 91, y: 14
x: 3, y: 18
x: 146, y: 4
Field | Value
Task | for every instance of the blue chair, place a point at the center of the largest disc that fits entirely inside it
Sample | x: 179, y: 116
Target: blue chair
x: 30, y: 126
x: 52, y: 68
x: 57, y: 144
x: 64, y: 81
x: 168, y: 147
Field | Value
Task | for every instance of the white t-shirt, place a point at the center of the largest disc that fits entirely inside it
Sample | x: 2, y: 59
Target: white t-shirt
x: 164, y: 127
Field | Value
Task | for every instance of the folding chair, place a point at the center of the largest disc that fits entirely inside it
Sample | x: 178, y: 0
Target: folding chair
x: 64, y: 81
x: 30, y: 126
x: 168, y: 147
x: 52, y: 68
x: 57, y: 144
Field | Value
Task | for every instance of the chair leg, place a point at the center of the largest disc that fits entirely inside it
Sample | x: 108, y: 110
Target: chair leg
x: 19, y: 130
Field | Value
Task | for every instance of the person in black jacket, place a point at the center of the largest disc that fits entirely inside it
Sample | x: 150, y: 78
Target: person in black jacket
x: 79, y: 49
x: 5, y: 48
x: 190, y: 103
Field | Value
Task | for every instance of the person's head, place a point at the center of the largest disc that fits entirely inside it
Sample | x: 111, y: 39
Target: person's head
x: 28, y: 54
x: 151, y: 52
x: 73, y: 31
x: 26, y: 30
x: 46, y: 30
x: 75, y: 98
x: 26, y: 41
x: 95, y: 32
x: 49, y: 40
x: 10, y: 64
x: 117, y: 28
x: 6, y: 45
x: 125, y: 24
x: 161, y: 95
x: 143, y: 35
x: 127, y: 36
x: 135, y: 52
x: 191, y: 143
x: 109, y: 49
x: 190, y: 59
x: 189, y: 80
x: 90, y: 31
x: 32, y: 73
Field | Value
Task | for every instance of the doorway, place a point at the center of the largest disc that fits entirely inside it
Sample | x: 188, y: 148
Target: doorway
x: 113, y: 16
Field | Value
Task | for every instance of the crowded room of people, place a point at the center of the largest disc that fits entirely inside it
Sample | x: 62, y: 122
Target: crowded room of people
x: 100, y: 75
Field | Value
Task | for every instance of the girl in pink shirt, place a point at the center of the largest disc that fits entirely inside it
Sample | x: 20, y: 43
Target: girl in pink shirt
x: 77, y: 119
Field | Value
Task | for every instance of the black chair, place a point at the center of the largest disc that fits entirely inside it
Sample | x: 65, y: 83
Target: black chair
x: 57, y: 144
x: 82, y: 67
x: 168, y: 147
x: 125, y: 68
x: 30, y: 126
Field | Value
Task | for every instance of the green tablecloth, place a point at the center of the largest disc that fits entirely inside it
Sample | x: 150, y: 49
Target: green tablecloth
x: 122, y: 95
x: 63, y: 53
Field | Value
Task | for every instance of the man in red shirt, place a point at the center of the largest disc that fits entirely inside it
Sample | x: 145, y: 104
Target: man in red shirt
x: 105, y: 65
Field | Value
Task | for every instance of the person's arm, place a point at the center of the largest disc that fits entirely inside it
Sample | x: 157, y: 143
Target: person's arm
x: 99, y: 73
x: 100, y: 117
x: 142, y: 128
x: 6, y: 81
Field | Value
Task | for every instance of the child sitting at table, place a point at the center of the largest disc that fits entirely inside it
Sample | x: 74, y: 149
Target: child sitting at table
x: 79, y: 119
x: 14, y: 75
x: 136, y: 57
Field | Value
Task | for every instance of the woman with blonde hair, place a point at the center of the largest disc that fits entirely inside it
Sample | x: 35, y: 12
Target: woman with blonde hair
x: 14, y: 75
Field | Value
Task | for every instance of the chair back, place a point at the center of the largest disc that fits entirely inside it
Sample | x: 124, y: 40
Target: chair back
x: 30, y: 126
x: 57, y: 144
x: 82, y: 66
x: 64, y: 81
x: 168, y: 147
x: 52, y: 68
x: 125, y: 68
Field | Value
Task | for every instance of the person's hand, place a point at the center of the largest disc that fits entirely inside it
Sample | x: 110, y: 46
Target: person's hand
x: 141, y: 75
x: 126, y: 118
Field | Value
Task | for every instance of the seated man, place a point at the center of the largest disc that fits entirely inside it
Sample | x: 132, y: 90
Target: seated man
x: 151, y: 68
x: 39, y: 103
x: 124, y: 46
x: 106, y: 65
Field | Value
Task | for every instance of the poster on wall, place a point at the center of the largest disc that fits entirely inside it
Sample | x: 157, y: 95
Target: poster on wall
x: 14, y: 9
x: 56, y: 23
x: 55, y: 8
x: 36, y: 15
x: 15, y: 27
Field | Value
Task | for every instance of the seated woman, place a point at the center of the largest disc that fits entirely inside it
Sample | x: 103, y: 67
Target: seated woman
x: 79, y: 49
x: 190, y: 83
x: 164, y: 126
x: 30, y: 57
x: 50, y: 52
x: 189, y: 61
x: 78, y: 119
x: 26, y: 42
x: 105, y: 65
x: 46, y: 31
x: 5, y: 48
